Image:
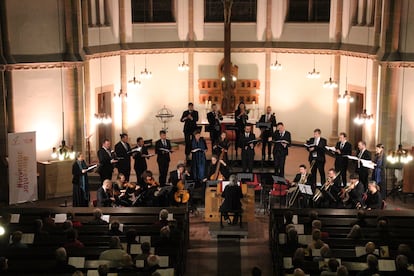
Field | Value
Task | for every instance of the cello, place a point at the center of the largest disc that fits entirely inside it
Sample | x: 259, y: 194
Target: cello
x: 181, y: 195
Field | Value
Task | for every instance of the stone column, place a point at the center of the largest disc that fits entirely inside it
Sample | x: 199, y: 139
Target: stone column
x: 85, y: 23
x: 268, y: 55
x: 122, y: 27
x: 371, y: 105
x: 335, y: 107
x: 124, y: 88
x: 191, y: 51
x: 388, y: 105
x: 4, y: 180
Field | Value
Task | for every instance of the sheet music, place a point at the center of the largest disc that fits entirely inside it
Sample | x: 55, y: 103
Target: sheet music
x: 294, y: 219
x: 287, y: 262
x: 106, y: 218
x: 135, y: 249
x: 166, y: 271
x: 166, y: 150
x: 282, y: 238
x: 28, y: 238
x: 170, y: 217
x: 254, y: 141
x: 145, y: 239
x: 148, y: 155
x: 309, y: 145
x: 359, y: 251
x: 60, y: 218
x: 91, y: 167
x: 330, y: 148
x: 316, y: 252
x: 15, y: 218
x: 355, y: 266
x: 281, y: 141
x: 195, y: 150
x: 164, y: 261
x: 386, y: 265
x: 352, y: 157
x: 139, y: 263
x: 78, y: 262
x: 368, y: 164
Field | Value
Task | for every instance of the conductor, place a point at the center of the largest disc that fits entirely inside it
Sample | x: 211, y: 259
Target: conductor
x: 232, y: 195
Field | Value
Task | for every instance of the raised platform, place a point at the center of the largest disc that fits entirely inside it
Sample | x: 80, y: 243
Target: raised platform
x: 215, y: 230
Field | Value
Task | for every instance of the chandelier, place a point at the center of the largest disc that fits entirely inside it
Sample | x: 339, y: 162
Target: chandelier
x: 346, y: 97
x: 330, y: 83
x: 314, y: 74
x: 182, y: 67
x: 364, y: 118
x: 400, y: 156
x: 276, y: 66
x: 134, y: 81
x: 102, y: 118
x: 146, y: 74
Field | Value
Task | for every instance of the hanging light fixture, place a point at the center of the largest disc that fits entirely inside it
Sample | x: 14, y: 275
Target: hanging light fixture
x: 276, y: 66
x: 135, y: 81
x: 182, y: 67
x: 330, y: 83
x: 145, y: 74
x: 346, y: 97
x: 401, y: 156
x: 62, y: 152
x: 314, y: 74
x: 118, y: 96
x: 364, y: 117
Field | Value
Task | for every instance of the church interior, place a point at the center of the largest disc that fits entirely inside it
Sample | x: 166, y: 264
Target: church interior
x: 75, y: 72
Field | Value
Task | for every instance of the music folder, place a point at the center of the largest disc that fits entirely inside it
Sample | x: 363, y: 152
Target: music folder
x: 91, y: 167
x: 330, y: 148
x: 267, y: 125
x: 309, y: 145
x: 166, y: 150
x: 195, y: 150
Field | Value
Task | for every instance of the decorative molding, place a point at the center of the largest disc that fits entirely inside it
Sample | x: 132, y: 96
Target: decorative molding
x: 397, y: 64
x: 41, y: 66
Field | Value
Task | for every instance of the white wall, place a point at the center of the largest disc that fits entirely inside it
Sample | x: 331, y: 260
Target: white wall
x: 407, y: 88
x: 37, y: 107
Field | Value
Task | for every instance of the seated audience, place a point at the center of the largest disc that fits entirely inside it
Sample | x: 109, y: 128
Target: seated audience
x: 316, y: 242
x: 317, y: 224
x: 39, y: 230
x: 163, y: 218
x: 145, y: 252
x: 75, y: 223
x: 62, y: 265
x: 152, y: 264
x: 114, y: 230
x: 48, y: 222
x: 292, y: 242
x: 326, y: 253
x: 333, y: 265
x: 355, y: 233
x: 97, y: 218
x: 342, y: 271
x: 67, y: 226
x: 372, y: 262
x: 103, y: 270
x: 312, y: 215
x: 360, y: 219
x: 298, y: 272
x: 369, y: 250
x: 126, y: 266
x: 405, y: 249
x: 115, y: 251
x: 72, y: 240
x: 401, y: 263
x: 16, y: 240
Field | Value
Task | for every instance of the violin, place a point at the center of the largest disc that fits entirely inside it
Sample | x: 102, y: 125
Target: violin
x: 181, y: 195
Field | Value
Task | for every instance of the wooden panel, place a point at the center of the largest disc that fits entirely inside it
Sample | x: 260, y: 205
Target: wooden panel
x: 55, y: 179
x: 214, y: 200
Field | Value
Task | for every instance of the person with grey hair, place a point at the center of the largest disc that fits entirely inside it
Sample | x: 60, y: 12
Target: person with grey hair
x: 372, y: 262
x: 232, y: 195
x: 342, y: 271
x: 17, y: 240
x: 401, y: 263
x: 97, y: 218
x: 80, y: 195
x: 355, y: 233
x: 62, y: 265
x: 152, y: 264
x: 115, y: 251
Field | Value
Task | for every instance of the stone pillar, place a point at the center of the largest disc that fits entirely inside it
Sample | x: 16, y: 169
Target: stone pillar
x: 268, y: 55
x: 85, y: 22
x: 124, y: 88
x: 4, y: 180
x: 122, y: 27
x: 388, y: 106
x: 371, y: 105
x: 335, y: 107
x: 191, y: 51
x: 89, y: 127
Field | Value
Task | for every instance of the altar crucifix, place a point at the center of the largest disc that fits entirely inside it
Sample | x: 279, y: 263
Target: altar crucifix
x: 228, y: 89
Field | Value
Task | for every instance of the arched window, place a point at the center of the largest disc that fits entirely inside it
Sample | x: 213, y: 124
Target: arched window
x: 152, y: 11
x: 242, y: 11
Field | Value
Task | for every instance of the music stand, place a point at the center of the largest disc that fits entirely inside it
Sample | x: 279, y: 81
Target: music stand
x: 242, y: 177
x: 279, y: 180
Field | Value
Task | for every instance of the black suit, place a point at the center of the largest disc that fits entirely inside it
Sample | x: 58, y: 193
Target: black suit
x: 317, y: 154
x: 240, y: 123
x: 105, y: 167
x: 190, y: 125
x: 124, y: 162
x: 280, y: 151
x: 355, y: 196
x: 361, y: 170
x: 140, y: 164
x: 266, y: 133
x: 214, y: 125
x: 163, y: 159
x: 103, y: 198
x: 247, y: 152
x: 341, y: 161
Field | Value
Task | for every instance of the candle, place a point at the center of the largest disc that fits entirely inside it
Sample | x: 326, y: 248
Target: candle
x: 254, y: 104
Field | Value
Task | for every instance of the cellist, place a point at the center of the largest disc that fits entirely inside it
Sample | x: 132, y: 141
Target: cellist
x: 218, y: 169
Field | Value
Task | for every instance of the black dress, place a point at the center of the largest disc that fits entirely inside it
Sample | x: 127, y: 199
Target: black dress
x: 232, y: 195
x: 80, y: 183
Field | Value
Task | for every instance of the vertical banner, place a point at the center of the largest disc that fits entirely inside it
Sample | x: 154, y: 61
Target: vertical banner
x: 22, y: 167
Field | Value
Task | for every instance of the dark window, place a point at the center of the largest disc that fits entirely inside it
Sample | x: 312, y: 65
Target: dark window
x: 309, y: 10
x: 147, y: 11
x: 241, y: 11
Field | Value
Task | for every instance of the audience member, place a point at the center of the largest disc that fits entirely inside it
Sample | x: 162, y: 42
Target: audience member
x: 127, y: 267
x: 405, y: 249
x: 342, y: 271
x: 62, y: 265
x: 145, y: 252
x: 97, y: 218
x: 369, y: 250
x: 355, y: 233
x: 316, y: 242
x: 372, y: 262
x: 401, y: 263
x: 360, y: 219
x: 16, y: 240
x: 39, y: 230
x: 312, y: 215
x: 115, y: 251
x: 256, y: 271
x: 152, y: 264
x: 75, y: 223
x: 72, y: 240
x: 326, y: 253
x: 317, y: 224
x: 115, y: 229
x: 288, y: 216
x: 163, y: 218
x: 4, y: 266
x: 67, y: 226
x: 48, y: 222
x: 292, y: 242
x: 333, y: 265
x: 103, y: 270
x: 298, y: 272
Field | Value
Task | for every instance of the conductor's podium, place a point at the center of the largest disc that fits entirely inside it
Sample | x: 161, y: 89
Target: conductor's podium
x: 213, y: 201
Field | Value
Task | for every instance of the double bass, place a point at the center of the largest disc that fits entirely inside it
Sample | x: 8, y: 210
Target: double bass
x: 217, y: 175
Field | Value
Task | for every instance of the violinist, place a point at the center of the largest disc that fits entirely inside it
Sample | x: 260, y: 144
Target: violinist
x: 373, y: 198
x: 351, y: 195
x: 214, y: 117
x: 222, y: 173
x: 150, y: 195
x: 222, y: 146
x: 104, y: 195
x: 125, y: 192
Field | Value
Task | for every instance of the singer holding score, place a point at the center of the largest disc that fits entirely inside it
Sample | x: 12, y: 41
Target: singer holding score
x: 282, y: 140
x: 214, y: 117
x: 80, y: 182
x: 106, y: 161
x: 247, y: 142
x: 198, y: 149
x: 189, y: 118
x: 267, y: 132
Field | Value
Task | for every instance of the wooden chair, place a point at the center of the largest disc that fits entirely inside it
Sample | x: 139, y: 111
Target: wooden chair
x: 232, y: 213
